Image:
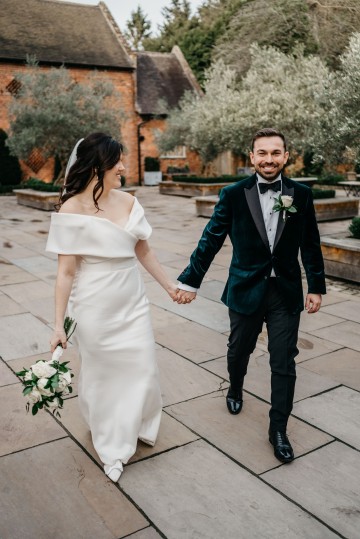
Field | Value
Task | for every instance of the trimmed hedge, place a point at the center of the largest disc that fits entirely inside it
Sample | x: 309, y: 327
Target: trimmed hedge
x: 151, y: 164
x: 219, y: 179
x: 178, y: 170
x: 38, y: 185
x: 330, y: 179
x: 355, y: 227
x: 323, y: 193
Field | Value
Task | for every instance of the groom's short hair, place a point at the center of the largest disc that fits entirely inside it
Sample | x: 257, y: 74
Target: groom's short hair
x: 268, y: 132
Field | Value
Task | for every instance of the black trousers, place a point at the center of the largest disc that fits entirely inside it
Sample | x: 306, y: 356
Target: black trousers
x: 282, y: 330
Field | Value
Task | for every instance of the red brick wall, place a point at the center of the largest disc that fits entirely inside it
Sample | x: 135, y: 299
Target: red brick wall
x: 124, y: 84
x: 149, y: 148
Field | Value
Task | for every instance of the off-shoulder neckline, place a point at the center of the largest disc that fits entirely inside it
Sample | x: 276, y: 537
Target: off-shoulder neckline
x: 105, y: 218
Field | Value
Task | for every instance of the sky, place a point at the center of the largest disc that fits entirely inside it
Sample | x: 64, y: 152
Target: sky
x: 121, y: 9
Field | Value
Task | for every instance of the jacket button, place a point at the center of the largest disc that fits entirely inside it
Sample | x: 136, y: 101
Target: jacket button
x: 265, y: 277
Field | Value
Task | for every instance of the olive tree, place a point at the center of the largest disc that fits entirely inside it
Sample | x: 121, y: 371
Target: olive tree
x: 52, y: 111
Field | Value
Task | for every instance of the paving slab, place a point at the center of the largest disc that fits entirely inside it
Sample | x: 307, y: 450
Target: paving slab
x: 9, y: 306
x: 11, y: 249
x: 162, y: 318
x: 342, y: 366
x: 10, y: 274
x: 20, y: 429
x: 331, y: 298
x: 346, y: 309
x: 182, y: 380
x: 325, y: 484
x: 7, y: 377
x: 335, y: 412
x: 203, y: 311
x: 344, y: 334
x: 201, y: 493
x: 147, y: 533
x: 171, y: 434
x: 258, y: 377
x: 40, y: 266
x: 308, y: 344
x: 321, y: 319
x: 28, y: 292
x: 243, y: 437
x: 23, y: 335
x: 193, y: 341
x: 67, y: 496
x: 212, y: 290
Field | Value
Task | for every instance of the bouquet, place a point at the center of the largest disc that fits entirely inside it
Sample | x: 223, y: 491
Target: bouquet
x: 47, y: 382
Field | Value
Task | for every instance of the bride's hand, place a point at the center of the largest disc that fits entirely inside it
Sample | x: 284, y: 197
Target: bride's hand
x: 172, y: 290
x: 58, y: 337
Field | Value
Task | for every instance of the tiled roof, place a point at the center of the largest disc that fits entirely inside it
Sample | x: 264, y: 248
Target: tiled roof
x: 162, y: 78
x: 61, y: 33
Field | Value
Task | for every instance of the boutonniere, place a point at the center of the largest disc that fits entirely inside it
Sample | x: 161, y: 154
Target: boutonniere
x: 284, y: 203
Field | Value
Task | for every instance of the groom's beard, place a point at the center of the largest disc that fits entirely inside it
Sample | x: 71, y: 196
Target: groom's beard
x: 271, y: 175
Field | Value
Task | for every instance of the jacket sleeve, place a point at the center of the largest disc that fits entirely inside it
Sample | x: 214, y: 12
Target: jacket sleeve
x: 310, y: 250
x: 210, y: 243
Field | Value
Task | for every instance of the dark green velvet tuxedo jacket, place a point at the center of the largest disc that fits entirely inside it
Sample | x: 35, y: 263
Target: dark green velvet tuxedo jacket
x: 238, y: 214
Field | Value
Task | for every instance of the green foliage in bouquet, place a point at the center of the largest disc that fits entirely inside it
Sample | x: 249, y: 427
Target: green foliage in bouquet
x: 46, y: 383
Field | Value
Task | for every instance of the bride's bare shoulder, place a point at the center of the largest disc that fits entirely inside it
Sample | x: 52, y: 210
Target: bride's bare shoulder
x: 71, y: 205
x: 125, y: 199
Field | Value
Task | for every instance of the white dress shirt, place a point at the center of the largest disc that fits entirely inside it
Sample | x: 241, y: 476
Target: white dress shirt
x: 271, y: 219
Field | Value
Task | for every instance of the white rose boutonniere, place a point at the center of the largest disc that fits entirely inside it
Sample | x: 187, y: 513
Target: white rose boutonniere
x: 46, y: 382
x: 284, y: 203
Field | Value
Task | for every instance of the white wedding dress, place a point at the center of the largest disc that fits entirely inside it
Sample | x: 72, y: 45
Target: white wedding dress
x: 119, y: 391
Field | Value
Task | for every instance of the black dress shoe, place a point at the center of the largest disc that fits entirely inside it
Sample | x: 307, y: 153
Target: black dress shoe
x: 234, y: 403
x: 282, y: 447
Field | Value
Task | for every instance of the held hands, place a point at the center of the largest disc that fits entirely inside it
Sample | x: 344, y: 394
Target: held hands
x: 180, y: 296
x: 312, y: 303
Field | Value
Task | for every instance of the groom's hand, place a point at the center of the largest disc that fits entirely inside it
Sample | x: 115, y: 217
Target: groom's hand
x: 185, y: 297
x: 313, y: 303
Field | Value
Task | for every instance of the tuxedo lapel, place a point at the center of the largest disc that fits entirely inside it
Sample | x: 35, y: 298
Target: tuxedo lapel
x: 252, y: 198
x: 289, y: 191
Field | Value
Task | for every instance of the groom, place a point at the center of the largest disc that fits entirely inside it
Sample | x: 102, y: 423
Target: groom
x: 264, y: 283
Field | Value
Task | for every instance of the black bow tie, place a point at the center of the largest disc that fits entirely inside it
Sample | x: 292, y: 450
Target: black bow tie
x: 276, y: 186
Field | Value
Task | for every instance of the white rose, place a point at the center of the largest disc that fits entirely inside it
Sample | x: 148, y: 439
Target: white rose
x: 54, y: 403
x: 286, y: 201
x: 34, y: 396
x: 28, y: 376
x: 42, y: 369
x: 66, y: 376
x: 62, y: 385
x: 41, y: 387
x: 66, y: 391
x: 57, y: 353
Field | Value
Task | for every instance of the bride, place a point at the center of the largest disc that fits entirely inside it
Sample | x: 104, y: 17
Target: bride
x: 99, y: 233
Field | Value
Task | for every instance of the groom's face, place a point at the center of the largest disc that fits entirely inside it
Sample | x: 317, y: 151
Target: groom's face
x: 269, y: 157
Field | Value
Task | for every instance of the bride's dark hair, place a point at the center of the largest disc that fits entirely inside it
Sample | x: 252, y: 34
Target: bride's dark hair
x: 96, y: 154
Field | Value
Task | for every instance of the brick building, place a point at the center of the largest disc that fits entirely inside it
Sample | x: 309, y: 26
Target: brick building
x: 85, y: 38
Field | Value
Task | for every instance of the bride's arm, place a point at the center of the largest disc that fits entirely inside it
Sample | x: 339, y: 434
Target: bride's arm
x: 147, y: 258
x: 64, y: 281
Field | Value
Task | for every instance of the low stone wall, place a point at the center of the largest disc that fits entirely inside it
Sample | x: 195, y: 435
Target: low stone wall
x: 326, y: 209
x: 333, y: 209
x: 187, y: 189
x: 41, y: 200
x: 341, y: 257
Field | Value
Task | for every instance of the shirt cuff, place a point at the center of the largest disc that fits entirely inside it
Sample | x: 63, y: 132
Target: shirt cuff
x: 186, y: 287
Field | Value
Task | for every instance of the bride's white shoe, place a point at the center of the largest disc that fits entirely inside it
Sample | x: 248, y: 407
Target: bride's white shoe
x: 114, y: 472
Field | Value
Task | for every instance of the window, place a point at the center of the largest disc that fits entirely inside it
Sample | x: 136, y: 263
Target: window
x: 14, y: 87
x: 177, y: 153
x: 35, y: 161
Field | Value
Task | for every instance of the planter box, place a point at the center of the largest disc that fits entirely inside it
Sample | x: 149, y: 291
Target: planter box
x: 326, y: 209
x: 187, y: 189
x: 333, y: 209
x: 152, y: 178
x: 41, y: 200
x: 341, y: 257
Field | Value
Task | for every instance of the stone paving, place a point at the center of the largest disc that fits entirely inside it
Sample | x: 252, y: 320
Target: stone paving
x: 211, y: 475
